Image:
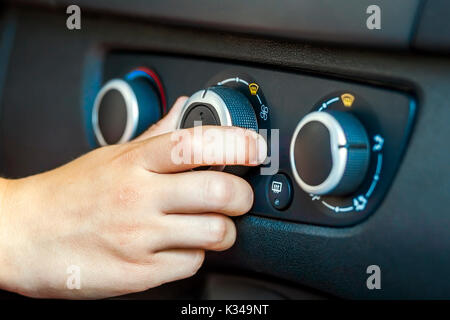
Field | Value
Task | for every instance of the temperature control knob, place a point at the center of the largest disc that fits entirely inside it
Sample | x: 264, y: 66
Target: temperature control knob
x: 329, y: 153
x: 124, y: 108
x: 220, y: 106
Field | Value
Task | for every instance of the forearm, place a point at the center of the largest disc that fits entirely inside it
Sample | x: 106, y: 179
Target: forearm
x: 17, y: 204
x: 4, y: 264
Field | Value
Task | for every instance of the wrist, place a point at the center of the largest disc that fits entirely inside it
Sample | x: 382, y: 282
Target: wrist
x: 17, y: 253
x: 6, y: 263
x: 3, y: 260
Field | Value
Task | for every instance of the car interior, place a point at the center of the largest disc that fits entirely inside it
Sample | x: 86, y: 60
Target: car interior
x: 352, y: 97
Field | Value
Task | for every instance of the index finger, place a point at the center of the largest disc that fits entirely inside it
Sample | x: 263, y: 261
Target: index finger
x: 186, y: 149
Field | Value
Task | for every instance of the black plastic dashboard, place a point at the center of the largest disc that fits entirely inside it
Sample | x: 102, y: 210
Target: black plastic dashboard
x: 281, y: 100
x: 50, y: 77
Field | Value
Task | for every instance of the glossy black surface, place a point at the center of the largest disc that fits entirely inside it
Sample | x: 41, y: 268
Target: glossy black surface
x: 112, y: 116
x: 313, y: 153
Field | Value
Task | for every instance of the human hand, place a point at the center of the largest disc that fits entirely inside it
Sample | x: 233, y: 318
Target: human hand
x: 126, y: 215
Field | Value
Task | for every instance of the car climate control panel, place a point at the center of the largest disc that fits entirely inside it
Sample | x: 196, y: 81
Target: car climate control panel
x: 334, y: 145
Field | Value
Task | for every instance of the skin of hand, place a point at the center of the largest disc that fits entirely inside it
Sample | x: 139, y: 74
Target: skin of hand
x: 125, y: 215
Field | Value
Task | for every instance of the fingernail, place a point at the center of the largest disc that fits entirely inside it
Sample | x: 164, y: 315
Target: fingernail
x: 262, y: 149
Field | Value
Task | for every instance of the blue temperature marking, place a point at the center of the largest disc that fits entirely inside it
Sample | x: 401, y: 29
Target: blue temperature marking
x: 332, y: 101
x: 138, y: 73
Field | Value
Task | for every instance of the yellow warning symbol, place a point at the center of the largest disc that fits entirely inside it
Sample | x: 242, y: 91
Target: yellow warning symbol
x: 253, y: 87
x: 347, y: 99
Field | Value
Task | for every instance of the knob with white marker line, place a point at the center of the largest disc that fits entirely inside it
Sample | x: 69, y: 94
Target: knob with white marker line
x: 329, y: 153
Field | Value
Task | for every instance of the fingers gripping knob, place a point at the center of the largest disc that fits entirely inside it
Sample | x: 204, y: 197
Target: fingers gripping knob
x: 220, y: 106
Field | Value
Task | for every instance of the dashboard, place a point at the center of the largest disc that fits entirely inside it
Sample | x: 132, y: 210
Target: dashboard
x: 356, y: 121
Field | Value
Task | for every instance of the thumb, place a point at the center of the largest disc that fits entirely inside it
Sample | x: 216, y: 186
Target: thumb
x: 166, y: 124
